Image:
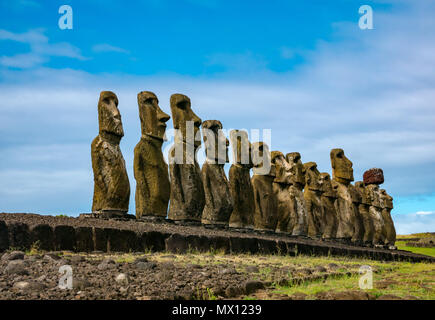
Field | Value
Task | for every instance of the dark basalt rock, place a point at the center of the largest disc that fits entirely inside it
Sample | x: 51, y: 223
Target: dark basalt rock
x: 64, y: 238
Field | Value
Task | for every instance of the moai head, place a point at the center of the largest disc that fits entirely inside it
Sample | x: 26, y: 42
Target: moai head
x: 183, y: 117
x: 109, y: 118
x: 342, y: 170
x: 361, y: 188
x: 312, y: 176
x: 386, y: 199
x: 261, y: 159
x: 282, y: 168
x: 297, y: 168
x: 216, y: 144
x: 327, y: 189
x: 152, y: 118
x: 373, y: 176
x: 241, y: 148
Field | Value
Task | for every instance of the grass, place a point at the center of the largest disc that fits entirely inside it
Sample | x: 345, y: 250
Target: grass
x: 401, y: 245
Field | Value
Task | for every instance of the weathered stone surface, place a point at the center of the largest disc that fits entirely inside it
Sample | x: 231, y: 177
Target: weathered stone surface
x: 358, y: 231
x: 281, y: 186
x: 363, y: 209
x: 4, y: 236
x: 243, y: 245
x: 375, y: 210
x: 154, y: 241
x: 389, y: 229
x: 19, y: 235
x: 84, y: 239
x: 64, y: 238
x: 43, y: 234
x: 298, y: 225
x: 312, y: 194
x: 111, y: 184
x: 266, y: 214
x: 122, y: 240
x: 16, y: 267
x: 150, y: 168
x: 187, y: 198
x: 218, y: 199
x: 342, y: 176
x: 241, y: 188
x: 373, y: 176
x: 327, y: 200
x: 177, y: 243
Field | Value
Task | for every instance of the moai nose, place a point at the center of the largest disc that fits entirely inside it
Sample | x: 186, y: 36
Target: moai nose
x: 163, y: 117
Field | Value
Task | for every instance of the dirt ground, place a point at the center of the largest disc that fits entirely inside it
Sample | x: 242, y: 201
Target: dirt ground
x: 146, y: 276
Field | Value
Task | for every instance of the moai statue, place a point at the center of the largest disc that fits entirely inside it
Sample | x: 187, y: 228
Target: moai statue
x: 266, y: 215
x: 327, y: 199
x: 298, y: 225
x: 342, y: 176
x: 312, y: 194
x: 218, y: 200
x: 187, y: 197
x: 150, y: 168
x: 390, y: 230
x: 111, y: 185
x: 281, y: 186
x: 358, y: 232
x: 372, y: 179
x: 241, y: 188
x: 363, y: 209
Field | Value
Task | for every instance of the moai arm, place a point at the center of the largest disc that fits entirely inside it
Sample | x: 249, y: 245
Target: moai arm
x: 207, y: 185
x: 145, y: 190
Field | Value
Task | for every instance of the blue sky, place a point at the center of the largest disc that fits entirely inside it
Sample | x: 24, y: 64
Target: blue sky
x: 301, y: 68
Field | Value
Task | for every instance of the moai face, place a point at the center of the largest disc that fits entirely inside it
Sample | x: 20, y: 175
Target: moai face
x: 109, y: 118
x: 241, y: 148
x: 387, y: 199
x: 152, y: 118
x: 342, y: 170
x: 361, y: 188
x: 261, y: 159
x: 282, y: 168
x: 182, y: 117
x: 327, y: 189
x: 216, y: 144
x: 297, y: 168
x: 312, y: 176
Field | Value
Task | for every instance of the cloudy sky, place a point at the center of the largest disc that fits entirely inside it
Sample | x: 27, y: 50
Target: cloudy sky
x: 303, y: 69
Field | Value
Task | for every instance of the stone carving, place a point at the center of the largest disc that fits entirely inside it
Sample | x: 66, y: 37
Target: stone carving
x: 241, y: 188
x: 312, y: 194
x: 218, y: 200
x: 327, y: 199
x: 111, y: 184
x: 373, y: 176
x: 265, y: 217
x: 342, y: 176
x: 358, y: 231
x: 298, y: 215
x: 375, y: 211
x: 389, y: 229
x: 187, y: 197
x: 363, y: 209
x: 150, y: 168
x: 281, y: 186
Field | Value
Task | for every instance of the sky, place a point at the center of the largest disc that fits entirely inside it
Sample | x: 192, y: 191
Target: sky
x: 303, y: 69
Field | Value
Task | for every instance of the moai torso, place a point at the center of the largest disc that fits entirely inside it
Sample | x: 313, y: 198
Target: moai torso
x: 218, y: 199
x: 298, y: 225
x: 358, y: 234
x: 312, y: 194
x: 266, y: 215
x: 241, y: 188
x: 187, y: 197
x: 342, y: 176
x: 363, y: 209
x: 281, y: 186
x: 328, y: 199
x: 111, y: 184
x: 150, y: 168
x: 390, y: 230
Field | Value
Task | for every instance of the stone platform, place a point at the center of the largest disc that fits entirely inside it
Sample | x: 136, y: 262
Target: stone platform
x: 22, y: 230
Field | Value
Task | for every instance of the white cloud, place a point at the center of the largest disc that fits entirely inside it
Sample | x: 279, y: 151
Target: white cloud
x: 414, y: 223
x: 104, y: 47
x: 424, y: 213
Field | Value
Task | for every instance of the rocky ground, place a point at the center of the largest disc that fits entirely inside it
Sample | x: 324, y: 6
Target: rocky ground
x: 144, y: 276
